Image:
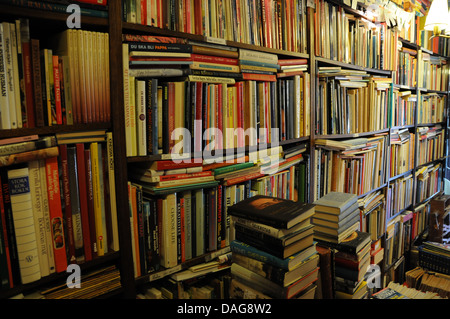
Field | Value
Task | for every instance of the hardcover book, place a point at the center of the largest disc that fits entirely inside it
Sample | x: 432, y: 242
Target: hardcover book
x: 272, y: 211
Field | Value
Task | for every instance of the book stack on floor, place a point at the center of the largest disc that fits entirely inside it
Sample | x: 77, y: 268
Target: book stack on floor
x: 274, y: 255
x: 336, y: 217
x: 435, y: 257
x: 351, y: 262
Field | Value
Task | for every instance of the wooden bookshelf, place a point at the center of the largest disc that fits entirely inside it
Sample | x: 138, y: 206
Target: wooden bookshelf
x: 50, y: 21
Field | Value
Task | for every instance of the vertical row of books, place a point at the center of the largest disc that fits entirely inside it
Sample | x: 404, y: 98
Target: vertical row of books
x: 402, y: 144
x: 431, y: 143
x: 433, y: 72
x: 407, y: 67
x: 399, y: 195
x: 351, y: 101
x: 183, y: 98
x: 428, y: 181
x: 350, y: 166
x: 402, y: 108
x: 57, y: 204
x: 273, y: 253
x: 337, y: 226
x: 272, y: 24
x: 398, y: 237
x: 66, y: 83
x: 431, y: 108
x: 344, y: 37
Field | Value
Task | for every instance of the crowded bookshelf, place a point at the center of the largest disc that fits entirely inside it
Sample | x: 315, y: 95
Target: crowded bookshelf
x: 215, y: 149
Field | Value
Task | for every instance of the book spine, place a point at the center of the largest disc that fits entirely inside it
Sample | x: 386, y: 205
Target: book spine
x: 112, y: 190
x: 97, y: 197
x: 36, y: 80
x: 27, y: 72
x: 57, y: 89
x: 12, y: 159
x: 160, y: 47
x: 20, y: 147
x: 77, y: 225
x: 82, y: 190
x: 56, y: 216
x: 67, y: 203
x: 90, y: 201
x: 4, y: 105
x: 22, y: 209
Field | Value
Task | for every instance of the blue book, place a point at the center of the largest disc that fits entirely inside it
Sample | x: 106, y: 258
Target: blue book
x: 289, y: 263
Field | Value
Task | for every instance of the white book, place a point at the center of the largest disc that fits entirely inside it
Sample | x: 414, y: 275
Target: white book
x: 38, y: 213
x: 46, y: 214
x: 16, y: 80
x: 4, y: 100
x: 22, y: 211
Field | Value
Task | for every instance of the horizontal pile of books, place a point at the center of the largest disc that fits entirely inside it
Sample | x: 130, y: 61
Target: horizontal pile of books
x: 274, y: 255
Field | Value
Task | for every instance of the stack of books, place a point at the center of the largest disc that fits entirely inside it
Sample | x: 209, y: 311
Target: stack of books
x: 258, y: 66
x: 351, y: 262
x: 170, y: 56
x: 292, y: 67
x: 274, y: 254
x: 435, y: 257
x: 336, y: 217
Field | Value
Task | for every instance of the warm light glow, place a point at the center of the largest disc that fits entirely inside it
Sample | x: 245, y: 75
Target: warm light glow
x: 437, y: 18
x: 447, y: 29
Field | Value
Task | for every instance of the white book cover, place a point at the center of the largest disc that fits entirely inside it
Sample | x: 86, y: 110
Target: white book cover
x: 22, y: 210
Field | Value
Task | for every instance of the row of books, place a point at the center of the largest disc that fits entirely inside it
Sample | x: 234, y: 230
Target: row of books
x: 398, y: 237
x: 343, y: 37
x: 428, y: 181
x: 65, y: 84
x: 431, y: 144
x: 431, y: 108
x: 406, y: 74
x: 401, y: 152
x: 273, y: 24
x: 403, y: 108
x: 57, y: 208
x: 399, y: 195
x: 433, y: 72
x: 273, y: 254
x: 435, y: 257
x: 198, y: 197
x: 350, y: 166
x: 351, y: 102
x: 398, y: 291
x: 373, y: 215
x: 420, y: 219
x: 207, y: 112
x: 425, y: 280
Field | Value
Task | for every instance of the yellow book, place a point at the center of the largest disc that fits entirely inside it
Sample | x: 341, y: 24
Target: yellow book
x: 99, y: 208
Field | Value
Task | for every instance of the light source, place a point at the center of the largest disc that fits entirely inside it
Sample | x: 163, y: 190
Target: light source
x: 438, y: 18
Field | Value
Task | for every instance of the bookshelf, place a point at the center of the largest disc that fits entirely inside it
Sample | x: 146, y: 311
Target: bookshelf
x: 410, y: 111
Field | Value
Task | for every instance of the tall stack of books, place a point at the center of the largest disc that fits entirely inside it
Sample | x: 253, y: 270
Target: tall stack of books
x: 351, y: 262
x: 336, y: 217
x: 274, y: 254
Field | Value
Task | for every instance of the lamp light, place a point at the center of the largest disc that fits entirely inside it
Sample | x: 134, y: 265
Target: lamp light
x: 437, y: 18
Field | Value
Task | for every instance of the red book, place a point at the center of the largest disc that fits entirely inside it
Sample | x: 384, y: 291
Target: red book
x: 165, y: 165
x: 67, y: 203
x: 292, y: 62
x: 57, y: 88
x: 5, y: 236
x: 241, y: 179
x: 56, y: 217
x: 83, y: 190
x: 26, y: 60
x: 259, y: 77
